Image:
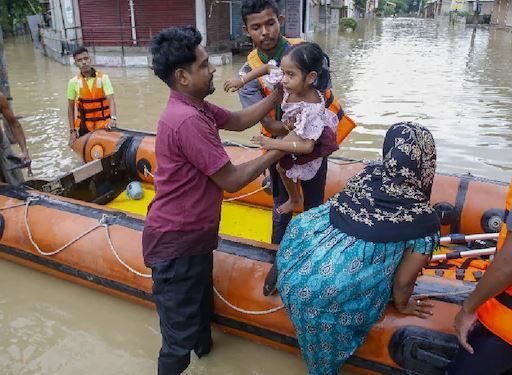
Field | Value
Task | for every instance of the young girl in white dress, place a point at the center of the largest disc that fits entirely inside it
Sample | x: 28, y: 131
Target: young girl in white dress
x: 304, y: 75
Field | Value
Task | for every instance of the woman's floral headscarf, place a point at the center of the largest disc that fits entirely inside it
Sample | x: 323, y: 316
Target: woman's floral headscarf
x: 390, y: 202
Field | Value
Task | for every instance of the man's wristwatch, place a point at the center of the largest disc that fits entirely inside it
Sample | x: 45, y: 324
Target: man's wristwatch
x: 113, y: 117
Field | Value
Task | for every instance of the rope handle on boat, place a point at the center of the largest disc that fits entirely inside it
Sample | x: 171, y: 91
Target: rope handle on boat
x: 248, y: 312
x: 266, y: 186
x: 330, y: 160
x: 104, y: 222
x: 229, y: 142
x: 111, y: 244
x: 12, y: 206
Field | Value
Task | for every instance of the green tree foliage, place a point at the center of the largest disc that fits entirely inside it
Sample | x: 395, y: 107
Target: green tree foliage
x: 348, y: 23
x: 401, y: 6
x: 13, y: 12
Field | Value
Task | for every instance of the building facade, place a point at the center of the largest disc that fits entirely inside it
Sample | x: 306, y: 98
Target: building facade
x: 129, y: 25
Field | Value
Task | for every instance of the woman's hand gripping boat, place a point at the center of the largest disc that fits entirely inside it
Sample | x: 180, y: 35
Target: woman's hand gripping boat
x: 81, y: 228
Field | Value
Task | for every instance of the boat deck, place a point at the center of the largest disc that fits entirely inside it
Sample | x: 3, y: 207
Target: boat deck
x: 237, y: 219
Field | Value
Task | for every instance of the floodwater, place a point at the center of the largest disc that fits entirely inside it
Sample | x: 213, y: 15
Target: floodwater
x: 455, y: 81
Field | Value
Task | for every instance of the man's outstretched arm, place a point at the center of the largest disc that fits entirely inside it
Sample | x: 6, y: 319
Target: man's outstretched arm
x: 15, y: 126
x: 496, y: 279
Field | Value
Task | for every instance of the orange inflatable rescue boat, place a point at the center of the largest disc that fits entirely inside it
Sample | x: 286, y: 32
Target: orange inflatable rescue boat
x: 81, y: 227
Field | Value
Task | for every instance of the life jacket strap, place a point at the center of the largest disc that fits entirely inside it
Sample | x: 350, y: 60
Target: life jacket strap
x: 96, y: 100
x: 95, y: 119
x: 505, y: 299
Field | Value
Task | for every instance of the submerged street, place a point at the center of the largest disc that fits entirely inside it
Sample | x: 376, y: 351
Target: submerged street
x: 453, y: 80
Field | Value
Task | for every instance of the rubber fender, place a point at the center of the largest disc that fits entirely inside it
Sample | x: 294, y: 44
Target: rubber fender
x: 421, y: 350
x: 446, y: 213
x: 130, y: 157
x: 2, y: 226
x: 492, y: 219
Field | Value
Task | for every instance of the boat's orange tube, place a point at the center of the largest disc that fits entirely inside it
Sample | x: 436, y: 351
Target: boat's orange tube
x: 469, y: 204
x: 239, y: 271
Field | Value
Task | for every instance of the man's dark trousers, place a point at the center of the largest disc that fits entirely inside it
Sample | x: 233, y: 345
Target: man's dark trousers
x: 492, y: 356
x: 183, y: 291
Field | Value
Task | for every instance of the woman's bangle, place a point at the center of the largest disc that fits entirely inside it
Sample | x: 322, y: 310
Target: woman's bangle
x: 72, y: 130
x: 242, y: 79
x: 294, y: 146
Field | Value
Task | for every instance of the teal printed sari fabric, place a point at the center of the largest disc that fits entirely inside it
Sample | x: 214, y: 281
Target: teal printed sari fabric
x: 334, y: 286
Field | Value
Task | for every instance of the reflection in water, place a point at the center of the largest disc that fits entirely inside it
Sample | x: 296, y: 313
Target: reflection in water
x: 456, y: 82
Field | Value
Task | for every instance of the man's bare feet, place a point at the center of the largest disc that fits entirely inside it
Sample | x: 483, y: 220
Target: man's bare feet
x: 290, y: 205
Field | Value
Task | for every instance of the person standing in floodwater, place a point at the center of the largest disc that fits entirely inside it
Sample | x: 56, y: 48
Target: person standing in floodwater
x: 182, y: 226
x: 91, y: 103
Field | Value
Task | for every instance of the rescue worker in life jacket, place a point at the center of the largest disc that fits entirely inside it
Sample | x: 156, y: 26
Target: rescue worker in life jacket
x: 91, y: 102
x: 262, y: 23
x: 484, y: 323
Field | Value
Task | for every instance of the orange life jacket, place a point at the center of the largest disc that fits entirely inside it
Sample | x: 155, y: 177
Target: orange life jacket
x: 91, y: 108
x: 345, y: 124
x: 468, y: 269
x: 496, y: 312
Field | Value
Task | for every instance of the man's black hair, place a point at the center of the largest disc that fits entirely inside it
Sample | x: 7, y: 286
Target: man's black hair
x: 174, y: 48
x: 257, y: 6
x: 79, y: 50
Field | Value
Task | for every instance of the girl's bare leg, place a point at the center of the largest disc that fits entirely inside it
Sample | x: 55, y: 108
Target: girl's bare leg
x: 295, y: 198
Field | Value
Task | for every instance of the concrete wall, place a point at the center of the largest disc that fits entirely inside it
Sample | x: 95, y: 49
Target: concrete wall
x: 54, y: 46
x: 508, y: 14
x: 112, y: 56
x: 502, y: 13
x: 486, y: 7
x: 65, y: 18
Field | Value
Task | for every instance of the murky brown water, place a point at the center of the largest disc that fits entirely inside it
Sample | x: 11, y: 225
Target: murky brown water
x: 457, y: 83
x: 52, y: 327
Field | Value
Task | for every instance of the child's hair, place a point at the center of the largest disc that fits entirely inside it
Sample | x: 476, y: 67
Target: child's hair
x: 257, y: 6
x: 309, y: 57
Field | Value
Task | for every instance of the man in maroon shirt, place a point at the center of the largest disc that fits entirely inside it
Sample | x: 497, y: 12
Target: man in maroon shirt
x: 193, y: 169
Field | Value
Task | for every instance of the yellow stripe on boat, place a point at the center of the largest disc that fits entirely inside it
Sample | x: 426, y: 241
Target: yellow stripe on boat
x: 238, y: 219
